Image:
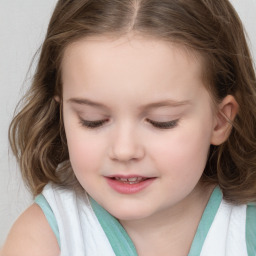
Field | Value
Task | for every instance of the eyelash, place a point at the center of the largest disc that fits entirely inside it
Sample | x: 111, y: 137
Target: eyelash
x: 164, y: 125
x: 92, y: 124
x: 159, y: 125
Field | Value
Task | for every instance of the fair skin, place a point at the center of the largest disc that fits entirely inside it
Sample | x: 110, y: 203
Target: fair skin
x: 31, y: 235
x: 154, y: 119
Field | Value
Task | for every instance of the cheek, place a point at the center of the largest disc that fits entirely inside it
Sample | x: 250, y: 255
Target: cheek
x: 85, y: 150
x: 184, y: 153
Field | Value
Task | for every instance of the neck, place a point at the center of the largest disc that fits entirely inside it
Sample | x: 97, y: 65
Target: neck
x: 170, y: 232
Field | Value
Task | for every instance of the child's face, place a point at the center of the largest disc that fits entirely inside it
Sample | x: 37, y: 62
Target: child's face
x: 156, y: 121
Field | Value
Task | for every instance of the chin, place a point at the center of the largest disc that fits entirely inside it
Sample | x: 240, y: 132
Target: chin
x: 129, y: 213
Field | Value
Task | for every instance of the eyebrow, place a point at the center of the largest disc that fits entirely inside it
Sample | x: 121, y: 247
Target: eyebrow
x: 164, y: 103
x: 82, y: 101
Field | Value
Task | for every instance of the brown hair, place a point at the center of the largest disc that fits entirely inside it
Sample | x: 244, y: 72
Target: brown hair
x: 211, y: 28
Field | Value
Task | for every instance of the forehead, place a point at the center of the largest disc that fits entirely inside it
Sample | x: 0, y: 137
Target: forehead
x: 98, y: 63
x: 135, y: 48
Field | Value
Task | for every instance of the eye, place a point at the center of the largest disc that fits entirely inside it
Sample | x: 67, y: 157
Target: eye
x: 93, y: 124
x: 164, y: 125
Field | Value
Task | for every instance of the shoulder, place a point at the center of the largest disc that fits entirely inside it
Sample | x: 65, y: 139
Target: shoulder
x: 31, y: 235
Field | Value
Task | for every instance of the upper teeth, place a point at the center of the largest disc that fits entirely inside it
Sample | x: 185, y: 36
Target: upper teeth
x: 129, y: 179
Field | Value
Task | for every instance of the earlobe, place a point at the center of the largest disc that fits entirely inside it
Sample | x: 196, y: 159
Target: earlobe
x: 225, y: 114
x: 57, y: 98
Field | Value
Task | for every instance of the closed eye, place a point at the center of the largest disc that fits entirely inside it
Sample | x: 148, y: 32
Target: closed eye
x: 164, y: 125
x: 93, y: 124
x: 99, y: 123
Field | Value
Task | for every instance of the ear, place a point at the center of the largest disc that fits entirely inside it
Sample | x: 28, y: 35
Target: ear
x: 57, y: 98
x: 225, y: 114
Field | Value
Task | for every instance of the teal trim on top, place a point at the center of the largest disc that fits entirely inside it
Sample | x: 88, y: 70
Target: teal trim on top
x: 251, y: 229
x: 47, y: 210
x: 206, y: 222
x: 121, y: 243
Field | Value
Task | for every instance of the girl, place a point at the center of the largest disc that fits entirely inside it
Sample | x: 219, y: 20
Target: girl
x: 138, y: 134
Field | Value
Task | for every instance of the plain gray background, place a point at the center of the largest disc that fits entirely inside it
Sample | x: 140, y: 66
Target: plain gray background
x: 23, y: 25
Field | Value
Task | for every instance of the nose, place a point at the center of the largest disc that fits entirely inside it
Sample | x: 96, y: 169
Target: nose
x: 126, y: 145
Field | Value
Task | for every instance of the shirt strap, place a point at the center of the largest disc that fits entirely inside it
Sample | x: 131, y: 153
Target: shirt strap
x: 251, y: 229
x: 121, y: 243
x: 47, y: 210
x: 206, y: 222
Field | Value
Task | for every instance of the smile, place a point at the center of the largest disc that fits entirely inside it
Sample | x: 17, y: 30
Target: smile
x: 129, y: 185
x: 133, y: 180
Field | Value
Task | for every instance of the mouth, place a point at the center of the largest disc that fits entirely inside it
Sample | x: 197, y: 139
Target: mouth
x: 129, y: 184
x: 133, y: 180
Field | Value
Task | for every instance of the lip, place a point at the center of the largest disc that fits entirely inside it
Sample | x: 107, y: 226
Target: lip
x: 126, y: 188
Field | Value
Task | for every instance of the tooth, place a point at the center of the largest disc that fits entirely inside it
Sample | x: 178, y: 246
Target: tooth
x: 123, y: 179
x: 133, y: 179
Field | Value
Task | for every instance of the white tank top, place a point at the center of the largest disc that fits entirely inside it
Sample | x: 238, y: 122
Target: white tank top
x: 82, y: 227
